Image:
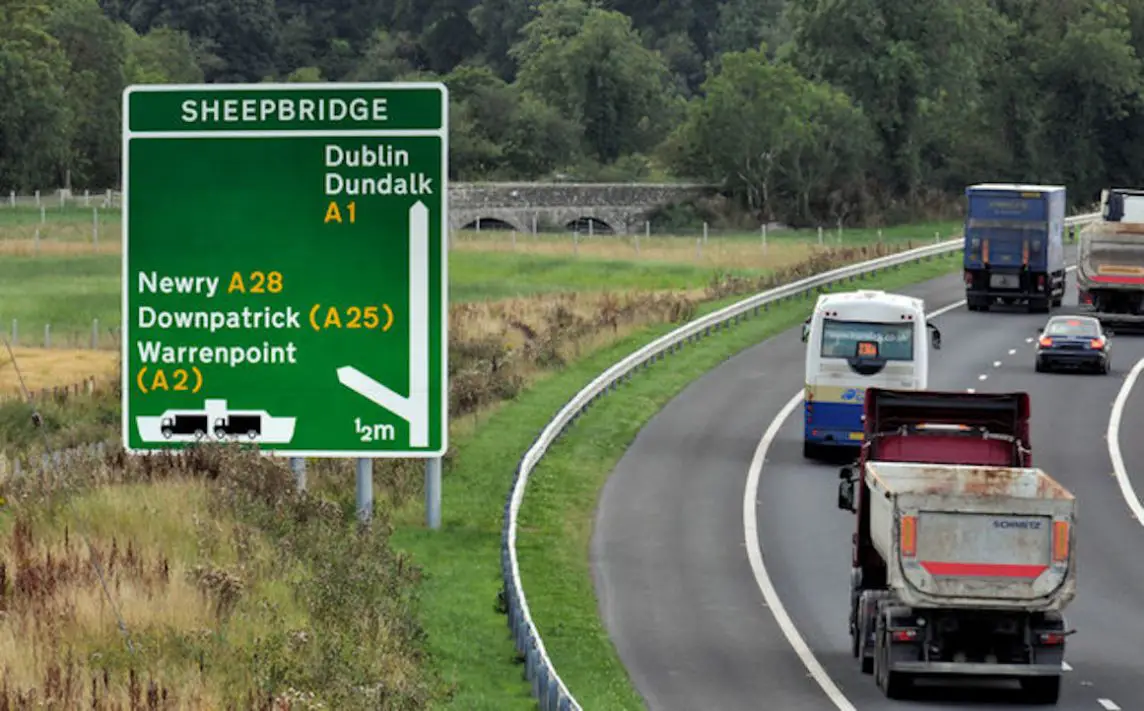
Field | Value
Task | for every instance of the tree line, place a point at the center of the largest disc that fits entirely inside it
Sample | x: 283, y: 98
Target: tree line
x: 804, y: 110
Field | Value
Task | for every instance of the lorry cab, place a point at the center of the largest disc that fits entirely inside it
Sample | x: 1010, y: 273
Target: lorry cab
x: 934, y: 427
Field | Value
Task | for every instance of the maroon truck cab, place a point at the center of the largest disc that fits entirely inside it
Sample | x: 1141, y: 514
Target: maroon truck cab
x: 931, y: 427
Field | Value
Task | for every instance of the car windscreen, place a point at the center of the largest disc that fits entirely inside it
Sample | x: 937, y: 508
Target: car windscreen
x: 1072, y: 327
x: 840, y: 339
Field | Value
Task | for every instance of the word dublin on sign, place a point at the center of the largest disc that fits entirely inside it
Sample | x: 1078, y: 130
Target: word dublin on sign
x: 284, y: 269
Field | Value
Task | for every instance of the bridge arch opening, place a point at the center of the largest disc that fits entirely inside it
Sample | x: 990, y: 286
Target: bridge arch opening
x: 492, y: 224
x: 590, y: 225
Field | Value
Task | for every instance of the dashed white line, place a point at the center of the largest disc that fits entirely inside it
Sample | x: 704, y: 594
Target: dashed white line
x: 1113, y: 437
x: 755, y: 552
x: 1012, y: 351
x: 970, y: 390
x: 983, y: 376
x: 1028, y: 340
x: 1108, y: 704
x: 996, y: 364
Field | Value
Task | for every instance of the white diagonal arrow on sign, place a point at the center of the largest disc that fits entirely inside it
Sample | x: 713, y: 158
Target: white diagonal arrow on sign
x: 415, y: 408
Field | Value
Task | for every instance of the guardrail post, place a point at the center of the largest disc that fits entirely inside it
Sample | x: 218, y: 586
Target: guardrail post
x: 433, y: 493
x: 94, y: 333
x: 364, y: 489
x: 47, y: 335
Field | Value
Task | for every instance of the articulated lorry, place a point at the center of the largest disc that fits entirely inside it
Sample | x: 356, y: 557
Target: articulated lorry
x: 1110, y: 262
x: 1014, y: 246
x: 963, y: 551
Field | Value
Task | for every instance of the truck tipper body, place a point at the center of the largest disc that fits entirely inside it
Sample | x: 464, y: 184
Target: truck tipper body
x: 1110, y: 262
x: 963, y: 551
x: 1014, y: 246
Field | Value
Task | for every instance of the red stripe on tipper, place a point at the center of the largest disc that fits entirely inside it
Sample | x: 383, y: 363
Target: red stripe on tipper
x: 1107, y: 279
x: 983, y: 570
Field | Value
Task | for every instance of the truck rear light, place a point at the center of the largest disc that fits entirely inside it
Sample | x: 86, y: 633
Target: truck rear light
x: 985, y: 251
x: 1041, y: 282
x: 910, y: 635
x: 908, y: 536
x: 1084, y: 297
x: 1025, y: 255
x: 1051, y: 638
x: 1060, y: 541
x: 969, y: 278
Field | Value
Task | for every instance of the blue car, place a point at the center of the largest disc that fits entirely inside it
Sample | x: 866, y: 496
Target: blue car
x: 1075, y: 342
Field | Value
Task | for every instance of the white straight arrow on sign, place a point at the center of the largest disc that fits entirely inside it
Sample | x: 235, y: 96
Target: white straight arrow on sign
x: 415, y: 408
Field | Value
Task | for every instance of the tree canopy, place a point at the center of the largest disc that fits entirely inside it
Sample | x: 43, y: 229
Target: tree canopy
x: 803, y: 110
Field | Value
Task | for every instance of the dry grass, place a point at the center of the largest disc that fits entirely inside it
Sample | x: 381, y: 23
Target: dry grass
x: 55, y: 247
x: 734, y: 250
x: 49, y: 367
x: 72, y: 228
x: 199, y: 582
x: 716, y: 253
x: 496, y: 347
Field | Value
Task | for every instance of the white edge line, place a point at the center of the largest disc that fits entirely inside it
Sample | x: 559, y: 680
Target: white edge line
x: 755, y: 553
x: 1113, y: 436
x: 1108, y: 704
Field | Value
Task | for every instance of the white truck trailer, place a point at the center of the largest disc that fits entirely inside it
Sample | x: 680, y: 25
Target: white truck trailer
x: 979, y: 566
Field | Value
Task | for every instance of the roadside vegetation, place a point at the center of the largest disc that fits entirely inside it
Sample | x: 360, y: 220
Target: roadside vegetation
x: 437, y: 621
x: 559, y: 507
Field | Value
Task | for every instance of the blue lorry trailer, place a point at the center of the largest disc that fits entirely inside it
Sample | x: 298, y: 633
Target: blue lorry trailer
x: 1014, y: 246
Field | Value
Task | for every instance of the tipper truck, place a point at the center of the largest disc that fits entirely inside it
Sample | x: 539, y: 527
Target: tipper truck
x: 1110, y: 261
x: 963, y: 551
x: 1014, y: 246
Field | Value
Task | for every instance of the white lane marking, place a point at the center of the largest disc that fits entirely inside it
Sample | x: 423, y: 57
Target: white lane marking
x: 1113, y: 437
x: 1028, y: 340
x: 970, y: 390
x: 1012, y: 351
x: 1108, y: 704
x: 996, y: 364
x: 983, y: 376
x: 1065, y: 666
x: 755, y: 551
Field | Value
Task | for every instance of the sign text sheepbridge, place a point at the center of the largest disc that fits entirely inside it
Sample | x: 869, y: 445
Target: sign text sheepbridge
x: 284, y: 276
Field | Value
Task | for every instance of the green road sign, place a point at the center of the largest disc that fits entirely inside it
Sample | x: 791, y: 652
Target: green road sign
x: 284, y: 268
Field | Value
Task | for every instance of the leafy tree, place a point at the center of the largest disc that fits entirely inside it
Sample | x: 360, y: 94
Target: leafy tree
x: 589, y: 63
x: 499, y: 130
x: 36, y: 121
x: 783, y: 143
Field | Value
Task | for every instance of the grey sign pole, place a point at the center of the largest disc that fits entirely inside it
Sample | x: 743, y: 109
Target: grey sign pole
x: 298, y: 466
x: 433, y: 493
x: 364, y: 489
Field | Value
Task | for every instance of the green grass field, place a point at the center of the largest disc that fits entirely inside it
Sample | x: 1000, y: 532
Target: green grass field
x: 467, y: 637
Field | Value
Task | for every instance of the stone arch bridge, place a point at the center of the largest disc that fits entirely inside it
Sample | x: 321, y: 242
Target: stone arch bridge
x: 604, y: 208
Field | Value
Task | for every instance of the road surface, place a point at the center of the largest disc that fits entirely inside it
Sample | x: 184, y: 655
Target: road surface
x: 686, y: 609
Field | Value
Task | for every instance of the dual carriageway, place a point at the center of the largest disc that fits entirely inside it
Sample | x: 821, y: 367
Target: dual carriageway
x: 722, y: 562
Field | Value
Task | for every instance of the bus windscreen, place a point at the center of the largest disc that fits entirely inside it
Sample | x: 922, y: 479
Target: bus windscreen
x: 840, y: 339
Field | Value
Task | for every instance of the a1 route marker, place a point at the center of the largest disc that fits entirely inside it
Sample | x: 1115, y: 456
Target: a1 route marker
x: 284, y: 268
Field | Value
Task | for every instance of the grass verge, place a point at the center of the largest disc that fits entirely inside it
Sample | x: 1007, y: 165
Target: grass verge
x: 467, y: 637
x: 201, y: 581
